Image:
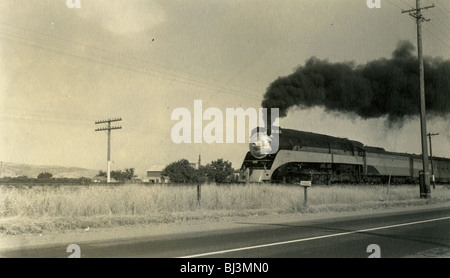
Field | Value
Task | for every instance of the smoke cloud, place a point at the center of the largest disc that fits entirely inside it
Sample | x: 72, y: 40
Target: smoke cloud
x: 383, y: 87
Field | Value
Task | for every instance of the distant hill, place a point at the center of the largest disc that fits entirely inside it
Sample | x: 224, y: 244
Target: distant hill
x: 8, y: 169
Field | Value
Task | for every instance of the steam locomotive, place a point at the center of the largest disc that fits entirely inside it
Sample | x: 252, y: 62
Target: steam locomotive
x: 325, y: 159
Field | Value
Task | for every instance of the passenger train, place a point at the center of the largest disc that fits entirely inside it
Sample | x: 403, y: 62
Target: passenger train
x: 326, y: 159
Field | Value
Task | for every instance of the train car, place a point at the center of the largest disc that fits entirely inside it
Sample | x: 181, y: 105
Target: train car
x: 326, y: 159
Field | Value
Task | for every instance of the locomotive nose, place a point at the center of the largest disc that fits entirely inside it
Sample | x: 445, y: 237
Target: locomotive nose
x: 260, y: 145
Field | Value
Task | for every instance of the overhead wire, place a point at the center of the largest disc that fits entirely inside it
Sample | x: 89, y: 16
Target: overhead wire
x: 443, y: 7
x: 428, y: 29
x: 94, y: 54
x: 60, y: 46
x: 127, y: 62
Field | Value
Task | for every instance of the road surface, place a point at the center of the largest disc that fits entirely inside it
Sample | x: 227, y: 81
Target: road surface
x: 386, y: 235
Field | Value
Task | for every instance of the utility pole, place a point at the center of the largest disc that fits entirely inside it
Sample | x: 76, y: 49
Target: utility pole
x: 431, y: 159
x: 108, y: 128
x: 424, y: 181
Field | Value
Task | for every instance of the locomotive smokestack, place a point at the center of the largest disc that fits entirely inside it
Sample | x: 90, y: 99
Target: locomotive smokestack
x: 383, y: 87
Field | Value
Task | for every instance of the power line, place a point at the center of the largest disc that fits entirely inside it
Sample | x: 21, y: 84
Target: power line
x: 97, y: 55
x: 426, y: 28
x: 436, y: 16
x: 437, y: 37
x: 442, y: 24
x: 445, y: 15
x: 394, y: 4
x: 102, y: 50
x: 133, y: 68
x: 407, y: 4
x: 442, y: 6
x: 442, y: 34
x: 40, y: 116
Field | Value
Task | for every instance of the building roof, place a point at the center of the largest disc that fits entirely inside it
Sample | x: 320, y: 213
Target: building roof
x: 156, y: 167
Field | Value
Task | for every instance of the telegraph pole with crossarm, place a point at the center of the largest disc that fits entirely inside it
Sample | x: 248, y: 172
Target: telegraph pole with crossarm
x: 108, y: 128
x: 425, y: 191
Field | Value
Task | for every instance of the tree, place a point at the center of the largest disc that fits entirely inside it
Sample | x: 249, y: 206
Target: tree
x: 21, y: 178
x: 45, y: 175
x: 101, y: 174
x: 219, y: 171
x: 119, y: 175
x: 84, y: 180
x: 181, y: 171
x: 129, y: 173
x: 122, y: 176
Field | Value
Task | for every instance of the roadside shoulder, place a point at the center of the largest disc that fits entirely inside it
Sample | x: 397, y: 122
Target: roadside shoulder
x: 191, y: 227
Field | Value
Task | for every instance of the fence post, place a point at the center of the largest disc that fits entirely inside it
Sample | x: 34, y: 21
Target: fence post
x: 306, y: 197
x: 305, y: 185
x: 199, y: 193
x: 388, y: 185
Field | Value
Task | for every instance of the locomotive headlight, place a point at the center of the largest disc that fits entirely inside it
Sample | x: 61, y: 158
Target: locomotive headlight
x: 260, y: 145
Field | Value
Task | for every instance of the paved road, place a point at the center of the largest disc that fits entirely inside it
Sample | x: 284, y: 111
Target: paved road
x: 396, y: 234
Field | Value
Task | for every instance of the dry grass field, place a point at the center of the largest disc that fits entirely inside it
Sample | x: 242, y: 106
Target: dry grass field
x: 36, y: 209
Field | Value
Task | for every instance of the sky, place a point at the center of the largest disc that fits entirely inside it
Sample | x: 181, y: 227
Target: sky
x: 62, y: 69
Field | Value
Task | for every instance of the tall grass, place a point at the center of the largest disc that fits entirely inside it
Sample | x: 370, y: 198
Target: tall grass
x: 63, y: 207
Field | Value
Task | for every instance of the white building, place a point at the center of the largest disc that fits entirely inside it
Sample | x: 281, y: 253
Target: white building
x: 154, y: 174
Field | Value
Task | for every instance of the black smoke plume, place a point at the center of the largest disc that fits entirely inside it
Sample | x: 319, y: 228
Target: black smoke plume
x: 383, y: 87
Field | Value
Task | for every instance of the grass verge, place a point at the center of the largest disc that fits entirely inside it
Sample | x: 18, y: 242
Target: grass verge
x: 37, y: 209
